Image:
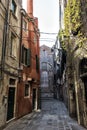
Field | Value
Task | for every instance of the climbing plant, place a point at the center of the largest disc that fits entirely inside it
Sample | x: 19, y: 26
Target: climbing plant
x: 62, y: 36
x: 72, y: 15
x: 72, y: 23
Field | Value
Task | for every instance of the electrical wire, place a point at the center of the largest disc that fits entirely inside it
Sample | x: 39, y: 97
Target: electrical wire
x: 34, y: 31
x: 26, y: 38
x: 40, y: 38
x: 36, y: 40
x: 49, y: 33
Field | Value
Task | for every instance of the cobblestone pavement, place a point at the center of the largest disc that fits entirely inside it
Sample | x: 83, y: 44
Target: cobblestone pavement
x: 53, y: 116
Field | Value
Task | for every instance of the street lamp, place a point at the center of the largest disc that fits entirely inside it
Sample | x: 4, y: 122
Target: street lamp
x: 20, y: 73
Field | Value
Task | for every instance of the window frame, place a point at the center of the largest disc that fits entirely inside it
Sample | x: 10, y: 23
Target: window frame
x: 13, y: 7
x: 26, y: 56
x: 37, y: 63
x: 12, y: 81
x: 27, y: 90
x: 13, y: 42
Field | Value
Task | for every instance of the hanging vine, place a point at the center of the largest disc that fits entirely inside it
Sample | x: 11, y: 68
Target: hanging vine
x: 72, y: 23
x: 72, y: 15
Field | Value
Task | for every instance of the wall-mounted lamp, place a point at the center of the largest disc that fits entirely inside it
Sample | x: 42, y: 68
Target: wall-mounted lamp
x: 20, y: 73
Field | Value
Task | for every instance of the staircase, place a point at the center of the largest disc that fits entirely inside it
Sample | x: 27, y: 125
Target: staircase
x: 46, y: 94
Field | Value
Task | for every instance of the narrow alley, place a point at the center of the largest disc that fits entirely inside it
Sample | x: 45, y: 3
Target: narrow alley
x: 53, y: 116
x: 43, y: 65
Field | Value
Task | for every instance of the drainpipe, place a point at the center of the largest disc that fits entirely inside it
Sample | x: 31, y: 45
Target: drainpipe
x: 20, y: 45
x: 5, y: 33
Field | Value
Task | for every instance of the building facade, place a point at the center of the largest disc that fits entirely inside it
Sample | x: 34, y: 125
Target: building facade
x: 19, y: 60
x: 73, y: 38
x: 46, y: 71
x: 9, y: 57
x: 29, y: 84
x: 59, y: 64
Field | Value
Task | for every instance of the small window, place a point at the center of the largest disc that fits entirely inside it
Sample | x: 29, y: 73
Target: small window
x: 26, y: 56
x: 12, y: 81
x: 37, y: 63
x: 13, y: 6
x: 13, y: 45
x: 84, y: 79
x: 83, y: 66
x: 27, y: 90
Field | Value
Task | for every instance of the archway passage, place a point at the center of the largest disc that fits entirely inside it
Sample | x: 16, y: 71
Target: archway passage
x: 83, y: 66
x: 83, y: 75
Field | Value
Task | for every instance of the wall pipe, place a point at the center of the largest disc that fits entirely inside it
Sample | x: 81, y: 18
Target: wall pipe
x: 5, y: 33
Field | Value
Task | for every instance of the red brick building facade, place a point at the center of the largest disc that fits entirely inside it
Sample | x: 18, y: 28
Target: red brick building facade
x: 28, y: 86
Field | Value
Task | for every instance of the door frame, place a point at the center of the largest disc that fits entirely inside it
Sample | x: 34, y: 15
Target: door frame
x: 12, y: 86
x: 34, y: 108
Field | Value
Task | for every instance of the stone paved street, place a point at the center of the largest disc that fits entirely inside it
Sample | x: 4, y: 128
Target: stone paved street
x: 53, y: 116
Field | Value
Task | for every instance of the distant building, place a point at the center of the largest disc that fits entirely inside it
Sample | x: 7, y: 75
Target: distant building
x: 46, y: 69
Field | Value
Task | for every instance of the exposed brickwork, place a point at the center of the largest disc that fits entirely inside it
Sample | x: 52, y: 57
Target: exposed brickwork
x: 30, y: 40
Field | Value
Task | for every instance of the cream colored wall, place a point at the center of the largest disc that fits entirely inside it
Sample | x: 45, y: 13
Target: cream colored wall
x: 14, y: 62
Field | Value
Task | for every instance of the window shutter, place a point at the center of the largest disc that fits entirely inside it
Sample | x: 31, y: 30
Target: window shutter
x: 28, y: 57
x: 22, y: 54
x: 37, y: 63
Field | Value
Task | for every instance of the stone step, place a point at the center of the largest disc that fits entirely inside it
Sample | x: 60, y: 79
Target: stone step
x: 47, y: 98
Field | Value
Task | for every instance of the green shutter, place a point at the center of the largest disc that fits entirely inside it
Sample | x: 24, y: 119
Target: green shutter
x: 37, y: 63
x: 22, y: 54
x: 28, y: 57
x: 25, y: 55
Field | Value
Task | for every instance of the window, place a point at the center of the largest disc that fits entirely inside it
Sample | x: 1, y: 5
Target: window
x: 12, y: 81
x: 84, y: 79
x: 26, y: 56
x: 24, y: 25
x: 27, y: 90
x: 13, y: 45
x: 37, y: 63
x: 13, y: 6
x: 83, y: 66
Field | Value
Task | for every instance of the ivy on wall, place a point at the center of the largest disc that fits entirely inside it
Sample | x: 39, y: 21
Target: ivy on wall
x: 72, y: 24
x: 72, y: 11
